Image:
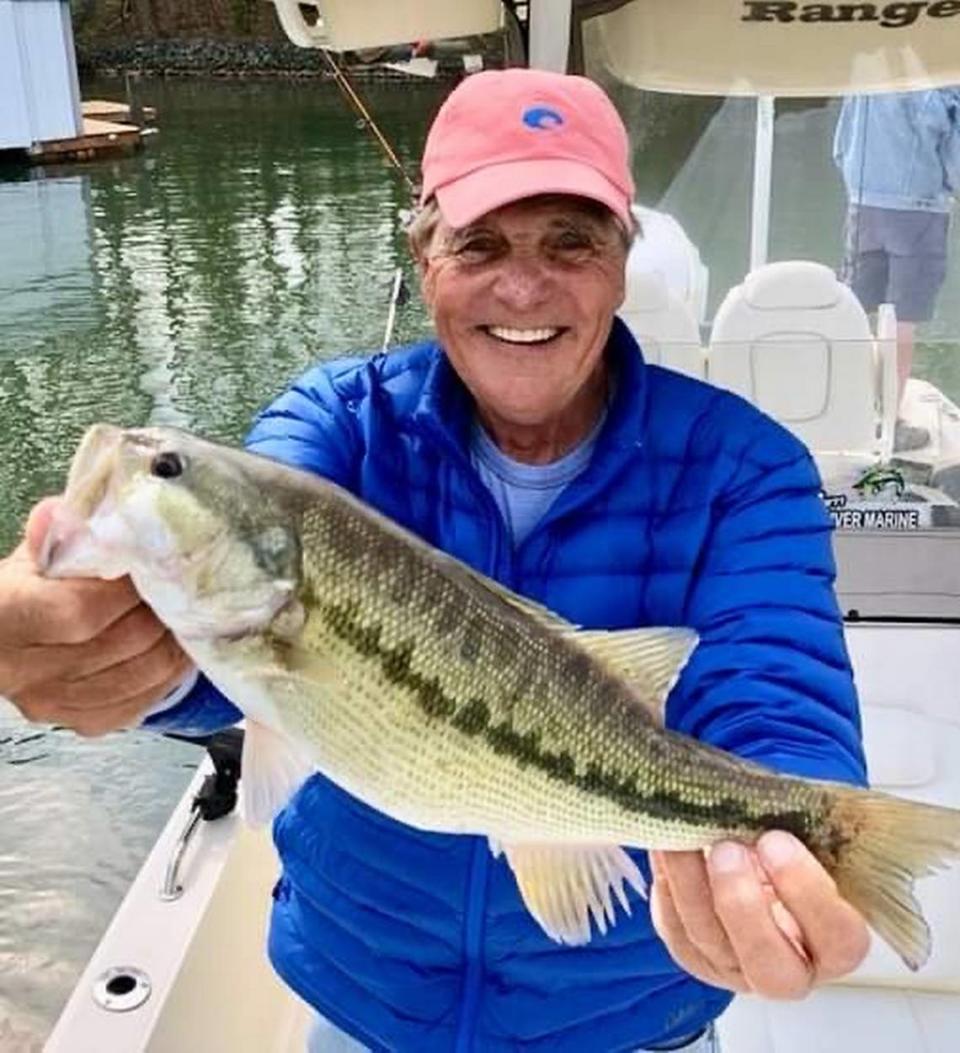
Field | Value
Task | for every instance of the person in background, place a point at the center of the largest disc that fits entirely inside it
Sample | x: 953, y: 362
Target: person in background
x: 899, y: 156
x: 529, y: 439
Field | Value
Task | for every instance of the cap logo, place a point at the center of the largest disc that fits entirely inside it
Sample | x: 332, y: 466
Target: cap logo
x: 541, y: 117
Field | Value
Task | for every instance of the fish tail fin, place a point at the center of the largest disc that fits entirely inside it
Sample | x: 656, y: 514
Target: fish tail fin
x: 894, y: 841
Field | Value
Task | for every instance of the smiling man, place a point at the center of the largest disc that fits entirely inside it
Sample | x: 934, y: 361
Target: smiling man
x: 530, y: 440
x: 554, y: 264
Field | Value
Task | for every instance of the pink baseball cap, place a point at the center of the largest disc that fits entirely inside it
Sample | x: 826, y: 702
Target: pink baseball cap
x: 503, y: 135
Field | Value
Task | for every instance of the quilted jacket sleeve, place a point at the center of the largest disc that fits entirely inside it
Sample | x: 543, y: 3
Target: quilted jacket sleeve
x: 308, y: 426
x: 771, y: 678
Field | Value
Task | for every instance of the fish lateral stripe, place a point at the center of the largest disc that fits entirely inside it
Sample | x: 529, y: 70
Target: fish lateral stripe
x: 473, y: 718
x: 242, y: 559
x: 394, y: 661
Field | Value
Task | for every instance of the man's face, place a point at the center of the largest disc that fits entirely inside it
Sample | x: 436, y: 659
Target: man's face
x: 523, y: 300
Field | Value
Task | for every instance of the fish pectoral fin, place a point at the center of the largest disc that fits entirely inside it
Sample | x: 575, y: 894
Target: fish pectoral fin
x: 563, y: 886
x: 649, y: 659
x: 272, y: 769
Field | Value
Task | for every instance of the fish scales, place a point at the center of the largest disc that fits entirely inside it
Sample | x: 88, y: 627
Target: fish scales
x: 444, y: 714
x: 438, y: 697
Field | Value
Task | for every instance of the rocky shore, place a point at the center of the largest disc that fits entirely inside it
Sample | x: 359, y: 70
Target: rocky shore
x: 236, y: 58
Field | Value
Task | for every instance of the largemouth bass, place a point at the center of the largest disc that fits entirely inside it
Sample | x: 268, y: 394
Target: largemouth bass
x: 444, y: 700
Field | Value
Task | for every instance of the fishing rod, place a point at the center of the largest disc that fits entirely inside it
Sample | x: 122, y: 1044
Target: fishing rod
x: 354, y: 99
x: 399, y: 294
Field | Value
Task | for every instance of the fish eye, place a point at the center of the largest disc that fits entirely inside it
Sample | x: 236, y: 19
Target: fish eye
x: 167, y: 465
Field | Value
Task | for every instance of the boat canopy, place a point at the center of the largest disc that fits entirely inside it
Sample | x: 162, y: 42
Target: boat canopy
x: 781, y: 47
x: 345, y: 25
x: 706, y: 47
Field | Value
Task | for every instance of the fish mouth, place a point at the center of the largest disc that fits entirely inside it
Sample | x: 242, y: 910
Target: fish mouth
x: 86, y: 488
x: 65, y: 549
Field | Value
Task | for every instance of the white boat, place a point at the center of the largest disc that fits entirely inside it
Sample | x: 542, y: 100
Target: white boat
x: 178, y: 972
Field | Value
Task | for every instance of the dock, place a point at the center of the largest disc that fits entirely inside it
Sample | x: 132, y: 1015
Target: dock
x: 108, y: 128
x: 98, y: 138
x: 111, y: 110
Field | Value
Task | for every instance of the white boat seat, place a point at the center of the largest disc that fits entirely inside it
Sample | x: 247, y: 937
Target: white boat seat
x: 664, y: 327
x: 665, y: 247
x: 797, y: 343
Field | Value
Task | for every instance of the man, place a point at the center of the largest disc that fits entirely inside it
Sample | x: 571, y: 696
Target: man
x: 533, y: 442
x: 899, y: 156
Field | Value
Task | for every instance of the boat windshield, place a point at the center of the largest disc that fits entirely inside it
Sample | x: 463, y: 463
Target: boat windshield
x: 798, y: 249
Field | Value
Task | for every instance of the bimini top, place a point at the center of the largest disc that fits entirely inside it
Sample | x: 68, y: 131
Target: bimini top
x: 781, y: 47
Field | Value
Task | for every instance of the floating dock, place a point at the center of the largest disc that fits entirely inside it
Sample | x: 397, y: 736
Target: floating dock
x: 111, y: 110
x: 98, y: 137
x: 108, y: 127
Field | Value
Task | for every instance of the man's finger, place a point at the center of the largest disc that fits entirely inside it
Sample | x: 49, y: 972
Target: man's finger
x: 834, y: 933
x: 38, y: 523
x: 152, y: 673
x: 49, y: 612
x: 770, y: 963
x: 670, y: 928
x: 95, y: 725
x: 128, y: 715
x: 131, y: 635
x: 686, y: 873
x: 149, y: 671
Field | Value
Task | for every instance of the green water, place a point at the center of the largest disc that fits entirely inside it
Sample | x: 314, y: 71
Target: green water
x: 257, y: 233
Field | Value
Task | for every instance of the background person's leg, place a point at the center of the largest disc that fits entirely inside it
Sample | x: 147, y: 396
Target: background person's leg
x: 864, y: 266
x: 918, y: 268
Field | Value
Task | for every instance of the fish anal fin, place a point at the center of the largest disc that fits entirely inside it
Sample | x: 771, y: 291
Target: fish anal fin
x: 272, y: 769
x: 564, y: 886
x: 650, y: 660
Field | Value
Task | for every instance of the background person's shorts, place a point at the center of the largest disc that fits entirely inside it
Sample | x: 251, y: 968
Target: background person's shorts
x: 896, y: 256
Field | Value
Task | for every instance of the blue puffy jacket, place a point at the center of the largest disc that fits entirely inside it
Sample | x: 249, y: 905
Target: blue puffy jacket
x: 695, y: 510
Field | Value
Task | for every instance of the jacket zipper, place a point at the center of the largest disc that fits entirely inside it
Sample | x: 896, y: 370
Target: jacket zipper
x: 473, y: 944
x: 476, y: 900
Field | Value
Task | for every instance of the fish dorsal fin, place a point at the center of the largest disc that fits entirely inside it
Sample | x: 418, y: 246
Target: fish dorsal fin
x: 537, y: 611
x: 272, y: 769
x: 649, y: 659
x: 564, y: 886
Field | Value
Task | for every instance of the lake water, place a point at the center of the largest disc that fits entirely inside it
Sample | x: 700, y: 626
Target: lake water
x: 256, y: 233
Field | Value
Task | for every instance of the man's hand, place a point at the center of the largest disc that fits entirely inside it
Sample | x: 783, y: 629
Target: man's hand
x: 766, y: 920
x: 84, y: 653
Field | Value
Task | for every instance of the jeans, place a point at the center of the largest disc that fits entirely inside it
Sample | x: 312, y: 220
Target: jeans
x: 324, y: 1037
x: 708, y: 1042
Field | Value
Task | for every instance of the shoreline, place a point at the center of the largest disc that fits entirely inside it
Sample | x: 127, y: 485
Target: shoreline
x: 204, y: 57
